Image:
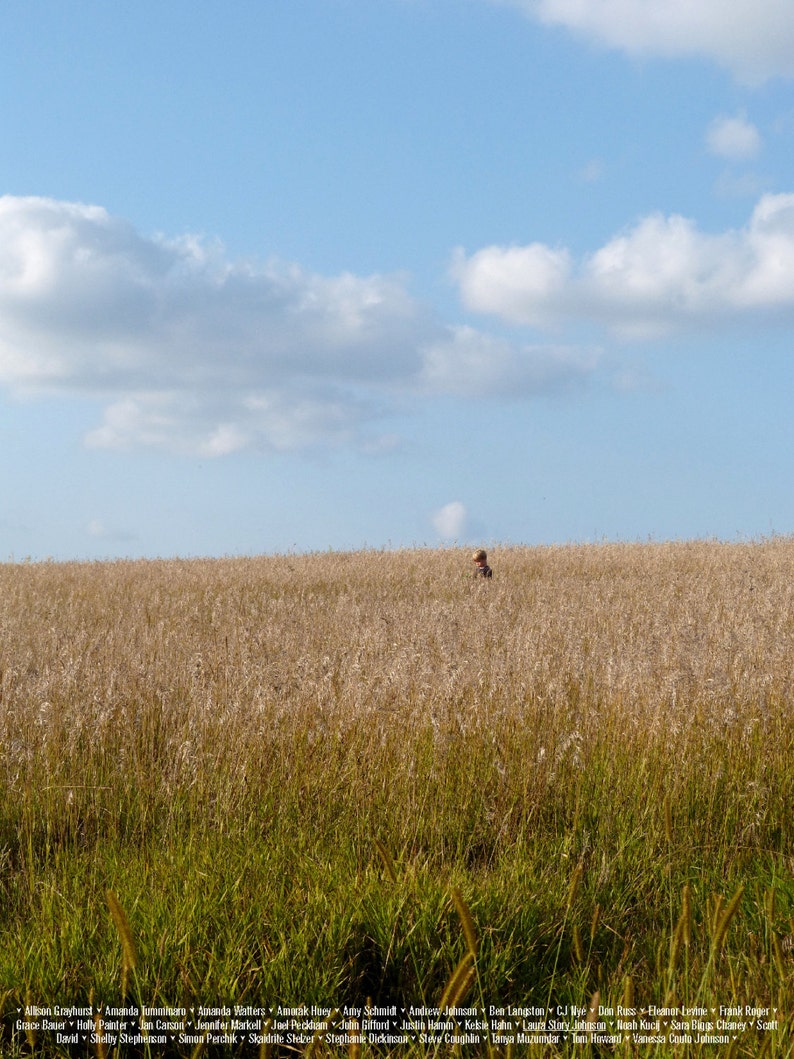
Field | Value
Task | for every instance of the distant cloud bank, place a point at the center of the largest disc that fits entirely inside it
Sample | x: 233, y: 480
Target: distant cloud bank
x: 660, y: 276
x: 752, y: 38
x: 189, y: 351
x: 193, y: 352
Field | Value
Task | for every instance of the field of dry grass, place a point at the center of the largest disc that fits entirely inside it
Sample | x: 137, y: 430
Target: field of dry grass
x: 284, y: 765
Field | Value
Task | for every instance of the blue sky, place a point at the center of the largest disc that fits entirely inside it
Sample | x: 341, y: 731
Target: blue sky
x: 313, y: 274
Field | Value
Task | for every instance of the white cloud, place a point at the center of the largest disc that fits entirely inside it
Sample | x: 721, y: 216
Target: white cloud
x: 196, y: 353
x: 752, y: 38
x: 124, y: 306
x: 515, y: 282
x: 470, y: 363
x: 207, y: 425
x: 661, y: 275
x: 449, y: 522
x: 733, y: 138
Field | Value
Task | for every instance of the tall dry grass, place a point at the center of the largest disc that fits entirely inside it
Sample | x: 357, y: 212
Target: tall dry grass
x: 260, y: 740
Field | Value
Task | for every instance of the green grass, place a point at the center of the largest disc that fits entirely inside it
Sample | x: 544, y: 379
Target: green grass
x: 290, y: 900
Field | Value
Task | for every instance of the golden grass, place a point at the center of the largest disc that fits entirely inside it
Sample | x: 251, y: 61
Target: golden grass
x: 622, y: 710
x: 195, y: 657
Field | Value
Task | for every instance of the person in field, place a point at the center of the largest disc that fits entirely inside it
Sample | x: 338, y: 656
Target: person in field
x: 481, y: 567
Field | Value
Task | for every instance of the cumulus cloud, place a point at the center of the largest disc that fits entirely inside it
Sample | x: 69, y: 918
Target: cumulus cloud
x: 663, y: 274
x: 752, y: 38
x: 449, y: 521
x: 733, y: 137
x: 111, y: 308
x: 471, y: 363
x: 191, y: 351
x: 520, y: 283
x: 504, y: 281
